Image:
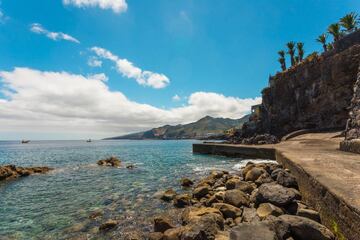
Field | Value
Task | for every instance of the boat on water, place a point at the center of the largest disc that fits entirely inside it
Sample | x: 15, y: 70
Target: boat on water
x: 25, y: 141
x: 89, y: 140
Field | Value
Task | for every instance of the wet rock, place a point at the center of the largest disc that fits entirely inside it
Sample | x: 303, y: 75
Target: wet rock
x: 130, y: 166
x: 111, y: 161
x: 236, y: 198
x: 254, y: 174
x: 168, y: 195
x: 186, y: 182
x: 161, y: 224
x: 228, y: 210
x: 266, y: 209
x: 200, y: 192
x: 286, y: 179
x: 11, y: 171
x: 182, y: 200
x: 309, y: 213
x: 155, y: 236
x: 109, y: 224
x: 275, y: 194
x: 96, y: 215
x: 173, y: 233
x: 306, y: 229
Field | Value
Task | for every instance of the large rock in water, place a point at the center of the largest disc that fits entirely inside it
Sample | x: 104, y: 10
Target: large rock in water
x: 201, y: 191
x: 306, y: 229
x: 161, y: 224
x: 236, y: 198
x: 276, y: 194
x: 168, y: 195
x: 12, y: 171
x: 111, y: 161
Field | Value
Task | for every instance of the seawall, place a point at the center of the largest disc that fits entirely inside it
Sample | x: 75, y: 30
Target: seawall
x: 328, y: 178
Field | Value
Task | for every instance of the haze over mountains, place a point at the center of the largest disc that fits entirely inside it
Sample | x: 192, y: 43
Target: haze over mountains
x: 203, y: 128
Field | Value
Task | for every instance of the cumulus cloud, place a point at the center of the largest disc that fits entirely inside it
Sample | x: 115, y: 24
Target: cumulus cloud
x: 117, y: 6
x: 176, y: 98
x: 61, y: 102
x: 127, y: 69
x: 56, y: 36
x: 94, y: 62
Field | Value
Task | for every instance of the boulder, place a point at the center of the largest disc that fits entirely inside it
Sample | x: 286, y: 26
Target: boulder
x: 253, y: 231
x: 109, y: 224
x: 206, y: 227
x: 309, y: 213
x: 286, y: 179
x: 111, y: 161
x: 227, y: 210
x: 236, y: 198
x: 266, y: 209
x: 275, y: 173
x: 306, y: 229
x: 168, y: 195
x: 155, y: 236
x: 12, y: 171
x: 254, y: 174
x: 192, y: 214
x: 245, y: 187
x: 231, y: 183
x: 275, y: 194
x: 186, y: 182
x: 250, y: 215
x: 264, y: 178
x: 173, y: 233
x: 201, y: 191
x: 162, y: 223
x: 182, y: 200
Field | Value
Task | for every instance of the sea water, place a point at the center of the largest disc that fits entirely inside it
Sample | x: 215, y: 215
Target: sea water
x: 57, y: 205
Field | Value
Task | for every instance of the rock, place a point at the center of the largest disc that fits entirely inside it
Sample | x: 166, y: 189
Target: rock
x: 306, y: 229
x: 253, y: 231
x: 245, y: 187
x: 231, y: 183
x: 206, y: 227
x: 192, y: 214
x: 230, y: 222
x: 294, y: 207
x: 275, y: 194
x: 133, y: 235
x: 309, y: 213
x: 173, y: 233
x: 227, y: 210
x: 222, y: 235
x: 111, y: 161
x: 275, y: 173
x: 161, y: 224
x: 182, y: 200
x: 185, y: 182
x: 264, y: 178
x: 250, y: 215
x: 155, y: 236
x: 96, y: 214
x: 220, y: 189
x: 201, y: 191
x: 11, y: 171
x: 254, y: 174
x: 109, y: 224
x: 213, y: 199
x: 286, y: 179
x: 130, y: 166
x: 267, y: 209
x: 168, y: 195
x: 236, y: 198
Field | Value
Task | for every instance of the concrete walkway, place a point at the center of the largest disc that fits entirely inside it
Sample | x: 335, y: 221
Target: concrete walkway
x: 328, y: 178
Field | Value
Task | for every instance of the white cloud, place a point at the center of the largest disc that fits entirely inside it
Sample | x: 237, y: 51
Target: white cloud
x: 56, y: 36
x: 127, y: 69
x: 59, y: 102
x: 176, y: 98
x: 99, y: 76
x: 94, y: 62
x: 117, y: 6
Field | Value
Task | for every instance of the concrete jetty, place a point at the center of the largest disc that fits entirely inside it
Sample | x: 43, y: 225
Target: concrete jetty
x: 328, y: 178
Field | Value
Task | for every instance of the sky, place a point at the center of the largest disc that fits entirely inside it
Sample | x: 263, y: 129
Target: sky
x: 77, y: 69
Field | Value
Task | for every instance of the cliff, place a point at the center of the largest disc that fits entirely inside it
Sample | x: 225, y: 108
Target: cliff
x: 204, y: 128
x: 315, y: 94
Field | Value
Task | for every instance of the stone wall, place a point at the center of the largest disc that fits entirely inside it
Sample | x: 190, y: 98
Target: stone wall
x: 316, y: 94
x: 352, y: 133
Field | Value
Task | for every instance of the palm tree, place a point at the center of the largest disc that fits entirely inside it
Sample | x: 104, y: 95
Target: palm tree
x: 282, y: 59
x: 291, y: 51
x: 300, y: 50
x: 329, y: 46
x: 349, y: 22
x: 322, y: 39
x: 334, y: 30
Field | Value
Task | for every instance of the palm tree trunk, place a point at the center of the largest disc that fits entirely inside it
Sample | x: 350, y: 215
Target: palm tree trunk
x: 325, y: 48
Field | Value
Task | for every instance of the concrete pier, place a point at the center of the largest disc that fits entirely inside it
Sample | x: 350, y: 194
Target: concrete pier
x: 329, y: 179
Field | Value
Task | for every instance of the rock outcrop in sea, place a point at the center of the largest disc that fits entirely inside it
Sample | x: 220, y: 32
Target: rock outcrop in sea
x: 12, y: 171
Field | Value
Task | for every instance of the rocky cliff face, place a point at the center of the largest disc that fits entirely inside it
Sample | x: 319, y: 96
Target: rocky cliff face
x: 316, y: 94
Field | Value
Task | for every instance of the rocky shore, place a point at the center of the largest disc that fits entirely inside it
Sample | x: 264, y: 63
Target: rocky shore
x: 261, y: 201
x: 12, y: 171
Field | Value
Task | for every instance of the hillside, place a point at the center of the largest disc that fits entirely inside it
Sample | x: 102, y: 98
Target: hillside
x: 203, y: 128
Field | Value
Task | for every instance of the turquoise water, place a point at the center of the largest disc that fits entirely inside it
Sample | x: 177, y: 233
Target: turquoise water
x: 57, y: 205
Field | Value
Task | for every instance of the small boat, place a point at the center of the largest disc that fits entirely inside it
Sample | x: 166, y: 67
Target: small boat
x: 25, y: 141
x: 89, y: 140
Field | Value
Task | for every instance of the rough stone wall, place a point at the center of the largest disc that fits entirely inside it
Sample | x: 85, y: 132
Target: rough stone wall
x: 316, y: 94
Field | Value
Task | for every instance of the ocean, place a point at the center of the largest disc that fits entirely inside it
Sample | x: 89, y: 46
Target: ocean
x: 57, y: 205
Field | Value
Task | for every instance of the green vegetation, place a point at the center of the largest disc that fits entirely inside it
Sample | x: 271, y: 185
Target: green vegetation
x: 347, y: 24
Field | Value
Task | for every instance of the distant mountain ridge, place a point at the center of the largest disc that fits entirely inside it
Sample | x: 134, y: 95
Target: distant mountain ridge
x: 203, y: 128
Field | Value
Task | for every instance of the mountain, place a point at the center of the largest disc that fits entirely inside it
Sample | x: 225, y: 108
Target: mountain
x: 203, y: 128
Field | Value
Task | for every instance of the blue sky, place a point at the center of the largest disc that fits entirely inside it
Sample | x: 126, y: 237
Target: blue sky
x: 226, y: 47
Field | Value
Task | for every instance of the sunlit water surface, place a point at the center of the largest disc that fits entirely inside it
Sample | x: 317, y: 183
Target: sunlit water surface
x: 57, y: 205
